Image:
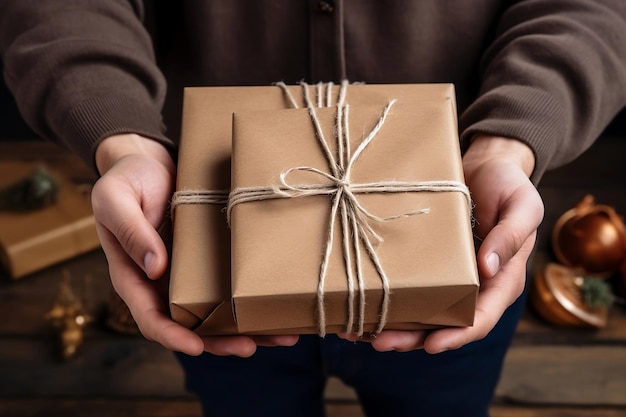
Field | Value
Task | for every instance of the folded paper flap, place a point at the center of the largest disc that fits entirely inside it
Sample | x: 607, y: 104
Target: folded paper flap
x: 216, y: 320
x: 183, y: 315
x: 200, y: 309
x: 460, y: 313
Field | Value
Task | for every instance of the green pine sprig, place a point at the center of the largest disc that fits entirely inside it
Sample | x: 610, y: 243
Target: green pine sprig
x: 37, y: 190
x: 597, y: 293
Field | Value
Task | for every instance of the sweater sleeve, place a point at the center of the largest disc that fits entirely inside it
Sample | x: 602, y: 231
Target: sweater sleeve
x: 82, y: 70
x: 554, y: 77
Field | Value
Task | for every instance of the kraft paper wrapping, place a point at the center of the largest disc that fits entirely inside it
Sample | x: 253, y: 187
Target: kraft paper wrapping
x: 277, y: 245
x: 33, y: 240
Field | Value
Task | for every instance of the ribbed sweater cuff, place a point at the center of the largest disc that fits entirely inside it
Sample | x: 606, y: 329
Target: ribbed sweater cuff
x: 523, y: 113
x: 100, y: 117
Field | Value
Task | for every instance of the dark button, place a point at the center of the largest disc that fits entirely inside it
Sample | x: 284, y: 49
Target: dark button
x: 326, y: 7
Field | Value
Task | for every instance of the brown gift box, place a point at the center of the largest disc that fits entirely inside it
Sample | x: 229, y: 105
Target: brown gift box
x: 33, y: 240
x: 429, y: 258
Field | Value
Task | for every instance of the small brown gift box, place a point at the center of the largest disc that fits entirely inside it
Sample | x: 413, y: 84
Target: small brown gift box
x: 36, y: 239
x: 278, y: 244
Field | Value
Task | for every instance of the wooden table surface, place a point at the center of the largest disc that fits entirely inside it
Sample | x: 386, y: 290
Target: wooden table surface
x: 549, y: 371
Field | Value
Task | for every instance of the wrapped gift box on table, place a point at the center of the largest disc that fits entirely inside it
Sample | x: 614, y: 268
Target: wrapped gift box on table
x: 34, y: 239
x: 420, y: 238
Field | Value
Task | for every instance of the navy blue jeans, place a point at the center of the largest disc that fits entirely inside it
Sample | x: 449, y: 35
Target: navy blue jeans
x: 289, y: 381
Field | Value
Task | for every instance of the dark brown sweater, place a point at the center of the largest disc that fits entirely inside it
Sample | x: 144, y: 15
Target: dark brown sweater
x: 551, y: 73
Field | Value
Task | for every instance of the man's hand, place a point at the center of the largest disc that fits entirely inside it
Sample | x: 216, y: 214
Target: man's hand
x: 129, y: 203
x: 508, y: 211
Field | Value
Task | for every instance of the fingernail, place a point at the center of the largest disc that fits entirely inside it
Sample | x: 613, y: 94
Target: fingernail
x: 493, y: 262
x: 147, y: 261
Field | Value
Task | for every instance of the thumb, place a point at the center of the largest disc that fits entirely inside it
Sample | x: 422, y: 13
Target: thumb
x: 519, y: 218
x: 117, y: 209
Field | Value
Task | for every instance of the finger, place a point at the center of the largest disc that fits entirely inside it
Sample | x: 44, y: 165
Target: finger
x: 242, y: 346
x: 399, y: 340
x: 127, y: 223
x: 278, y: 340
x: 495, y: 296
x: 143, y: 301
x: 520, y: 217
x: 353, y: 337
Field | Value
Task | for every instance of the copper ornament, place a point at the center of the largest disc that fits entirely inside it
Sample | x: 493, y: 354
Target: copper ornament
x: 590, y: 237
x: 557, y: 296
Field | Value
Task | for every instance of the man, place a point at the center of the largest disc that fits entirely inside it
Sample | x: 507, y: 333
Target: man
x: 537, y: 81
